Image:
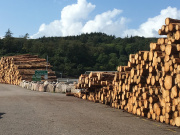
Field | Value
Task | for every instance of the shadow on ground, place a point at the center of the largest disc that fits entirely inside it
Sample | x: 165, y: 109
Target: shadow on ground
x: 1, y: 115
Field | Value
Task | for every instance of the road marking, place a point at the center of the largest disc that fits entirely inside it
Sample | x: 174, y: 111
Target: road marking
x: 144, y: 119
x: 156, y: 124
x: 171, y: 130
x: 159, y: 125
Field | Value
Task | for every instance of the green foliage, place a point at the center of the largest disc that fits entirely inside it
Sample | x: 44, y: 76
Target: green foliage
x: 8, y: 34
x: 73, y: 55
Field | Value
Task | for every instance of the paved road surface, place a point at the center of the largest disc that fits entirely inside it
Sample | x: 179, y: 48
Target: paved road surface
x: 25, y: 112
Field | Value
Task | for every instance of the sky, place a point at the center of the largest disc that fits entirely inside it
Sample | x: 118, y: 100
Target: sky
x: 120, y: 18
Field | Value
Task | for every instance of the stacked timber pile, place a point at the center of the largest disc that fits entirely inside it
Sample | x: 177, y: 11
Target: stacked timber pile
x: 149, y: 85
x: 14, y: 69
x: 97, y: 85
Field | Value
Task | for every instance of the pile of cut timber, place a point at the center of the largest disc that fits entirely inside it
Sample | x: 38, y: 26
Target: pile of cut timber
x: 94, y: 84
x: 14, y: 69
x: 149, y: 85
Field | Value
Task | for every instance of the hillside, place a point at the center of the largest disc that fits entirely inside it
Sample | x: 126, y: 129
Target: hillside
x: 73, y: 55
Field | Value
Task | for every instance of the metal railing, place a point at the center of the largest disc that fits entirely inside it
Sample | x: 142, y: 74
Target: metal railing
x: 88, y: 72
x: 67, y: 80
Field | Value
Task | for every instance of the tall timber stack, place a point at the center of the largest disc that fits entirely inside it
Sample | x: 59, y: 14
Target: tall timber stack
x: 148, y: 86
x: 14, y: 69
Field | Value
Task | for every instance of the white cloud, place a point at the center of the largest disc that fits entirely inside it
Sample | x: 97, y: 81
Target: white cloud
x: 107, y: 23
x: 53, y: 29
x: 152, y: 25
x: 74, y: 21
x: 72, y: 17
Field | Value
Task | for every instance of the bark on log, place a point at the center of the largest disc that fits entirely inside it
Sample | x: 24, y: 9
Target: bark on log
x: 171, y: 49
x: 161, y: 32
x: 170, y: 20
x: 172, y: 27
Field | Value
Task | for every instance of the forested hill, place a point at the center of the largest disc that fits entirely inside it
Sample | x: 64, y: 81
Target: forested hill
x: 73, y: 55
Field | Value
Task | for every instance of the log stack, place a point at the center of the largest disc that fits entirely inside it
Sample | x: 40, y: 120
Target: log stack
x: 14, y: 69
x: 149, y: 85
x: 97, y: 85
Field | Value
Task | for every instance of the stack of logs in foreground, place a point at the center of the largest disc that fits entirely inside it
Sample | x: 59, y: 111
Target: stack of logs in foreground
x: 14, y: 69
x: 148, y: 86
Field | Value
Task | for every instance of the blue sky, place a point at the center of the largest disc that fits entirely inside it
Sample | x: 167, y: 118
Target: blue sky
x: 73, y: 17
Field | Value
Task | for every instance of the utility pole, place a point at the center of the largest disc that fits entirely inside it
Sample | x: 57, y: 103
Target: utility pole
x: 46, y: 76
x: 47, y: 63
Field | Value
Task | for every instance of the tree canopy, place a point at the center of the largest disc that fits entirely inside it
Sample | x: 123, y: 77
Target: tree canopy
x: 8, y: 34
x: 73, y: 55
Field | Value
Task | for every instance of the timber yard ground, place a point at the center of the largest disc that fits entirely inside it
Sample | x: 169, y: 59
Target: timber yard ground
x: 26, y: 112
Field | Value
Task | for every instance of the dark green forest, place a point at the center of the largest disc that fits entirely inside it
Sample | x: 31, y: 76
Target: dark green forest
x: 73, y: 55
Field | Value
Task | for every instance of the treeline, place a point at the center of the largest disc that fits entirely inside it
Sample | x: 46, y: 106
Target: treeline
x: 73, y: 55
